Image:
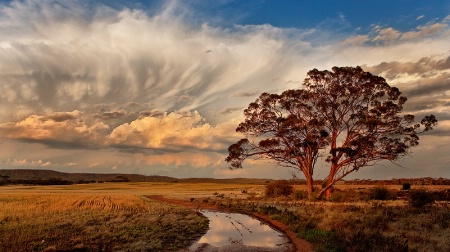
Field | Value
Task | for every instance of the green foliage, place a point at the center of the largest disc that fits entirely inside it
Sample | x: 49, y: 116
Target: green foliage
x: 316, y: 235
x: 420, y: 198
x: 279, y: 188
x: 325, y: 240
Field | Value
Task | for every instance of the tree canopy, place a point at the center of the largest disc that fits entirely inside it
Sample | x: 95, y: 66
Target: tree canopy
x: 348, y: 116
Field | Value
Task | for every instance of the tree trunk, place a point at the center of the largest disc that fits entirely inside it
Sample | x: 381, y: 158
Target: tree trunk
x: 330, y: 188
x: 309, y: 186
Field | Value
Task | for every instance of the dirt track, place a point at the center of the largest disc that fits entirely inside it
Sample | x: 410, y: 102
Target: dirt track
x: 299, y: 244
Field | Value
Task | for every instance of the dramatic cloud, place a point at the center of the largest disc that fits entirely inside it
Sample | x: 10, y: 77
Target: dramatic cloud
x: 173, y: 131
x: 60, y: 129
x: 61, y: 57
x: 176, y: 131
x: 161, y: 91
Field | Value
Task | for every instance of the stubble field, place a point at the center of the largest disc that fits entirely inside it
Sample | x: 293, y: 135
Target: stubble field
x: 102, y: 217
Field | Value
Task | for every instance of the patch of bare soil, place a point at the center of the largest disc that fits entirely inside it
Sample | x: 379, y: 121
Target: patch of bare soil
x: 300, y: 245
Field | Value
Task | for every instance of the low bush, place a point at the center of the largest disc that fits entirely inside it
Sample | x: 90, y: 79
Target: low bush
x: 420, y: 198
x: 380, y: 193
x: 268, y: 210
x: 279, y: 188
x: 300, y: 195
x: 375, y: 241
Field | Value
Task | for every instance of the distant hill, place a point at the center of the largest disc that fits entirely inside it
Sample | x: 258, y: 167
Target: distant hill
x: 46, y: 177
x: 23, y: 175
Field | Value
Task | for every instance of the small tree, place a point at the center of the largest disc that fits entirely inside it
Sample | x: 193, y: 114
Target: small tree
x: 380, y: 193
x: 351, y: 114
x: 420, y: 198
x: 406, y: 186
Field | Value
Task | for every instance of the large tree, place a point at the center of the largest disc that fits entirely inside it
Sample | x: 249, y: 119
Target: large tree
x: 351, y: 117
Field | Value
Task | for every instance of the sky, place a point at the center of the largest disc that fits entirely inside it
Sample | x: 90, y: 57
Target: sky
x: 159, y: 87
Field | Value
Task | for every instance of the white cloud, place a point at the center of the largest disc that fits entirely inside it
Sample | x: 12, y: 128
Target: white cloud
x: 423, y: 31
x: 357, y: 40
x: 172, y: 131
x: 387, y: 35
x: 25, y: 162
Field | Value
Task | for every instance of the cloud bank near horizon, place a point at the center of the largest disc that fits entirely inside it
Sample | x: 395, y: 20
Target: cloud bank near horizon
x: 168, y: 89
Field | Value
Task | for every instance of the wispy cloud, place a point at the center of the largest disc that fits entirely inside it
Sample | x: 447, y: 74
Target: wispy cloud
x: 389, y: 35
x: 61, y: 57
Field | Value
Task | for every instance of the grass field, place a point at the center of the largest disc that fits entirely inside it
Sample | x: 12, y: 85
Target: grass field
x: 352, y: 221
x: 35, y: 219
x: 118, y: 217
x: 102, y: 217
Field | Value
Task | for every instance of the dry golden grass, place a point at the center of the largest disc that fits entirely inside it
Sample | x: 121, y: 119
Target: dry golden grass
x: 117, y: 216
x: 351, y: 221
x: 109, y: 216
x: 93, y: 222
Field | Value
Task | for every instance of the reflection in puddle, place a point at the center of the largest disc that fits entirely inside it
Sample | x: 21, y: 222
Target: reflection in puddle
x: 239, y: 230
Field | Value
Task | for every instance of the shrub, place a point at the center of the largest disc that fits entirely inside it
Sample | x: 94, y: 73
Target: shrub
x: 279, y: 188
x: 420, y: 198
x: 300, y: 194
x: 380, y: 193
x: 375, y: 241
x: 268, y: 210
x: 406, y: 186
x: 324, y: 240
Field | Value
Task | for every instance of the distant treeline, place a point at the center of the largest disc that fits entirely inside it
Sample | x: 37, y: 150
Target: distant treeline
x: 401, y: 181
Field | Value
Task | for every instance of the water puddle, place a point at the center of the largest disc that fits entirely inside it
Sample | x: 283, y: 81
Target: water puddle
x: 239, y: 232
